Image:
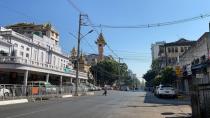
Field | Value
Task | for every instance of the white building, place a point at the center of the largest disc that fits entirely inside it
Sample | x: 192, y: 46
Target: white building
x: 156, y: 49
x: 24, y: 58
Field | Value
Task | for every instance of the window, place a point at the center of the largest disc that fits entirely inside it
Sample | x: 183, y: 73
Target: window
x: 176, y: 49
x: 42, y: 56
x: 35, y: 55
x: 21, y: 54
x: 22, y: 47
x: 185, y: 48
x: 27, y: 49
x: 27, y: 55
x: 182, y: 49
x: 169, y: 50
x: 172, y: 49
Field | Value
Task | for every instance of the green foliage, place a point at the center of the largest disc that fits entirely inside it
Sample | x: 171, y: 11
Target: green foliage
x: 168, y: 76
x: 107, y: 72
x: 150, y: 75
x: 158, y: 75
x: 157, y: 81
x: 156, y: 66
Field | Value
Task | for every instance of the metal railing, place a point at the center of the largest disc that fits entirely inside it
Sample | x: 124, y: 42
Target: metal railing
x: 11, y: 92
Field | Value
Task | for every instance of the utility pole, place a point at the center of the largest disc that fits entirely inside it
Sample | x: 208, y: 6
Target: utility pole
x: 166, y: 56
x: 119, y: 72
x: 78, y: 53
x: 133, y: 82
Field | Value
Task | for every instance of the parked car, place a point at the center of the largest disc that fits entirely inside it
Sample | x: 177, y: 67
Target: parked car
x: 45, y: 87
x: 166, y: 91
x: 4, y: 92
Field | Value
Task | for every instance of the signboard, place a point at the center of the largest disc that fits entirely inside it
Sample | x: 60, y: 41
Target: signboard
x: 67, y: 70
x: 178, y: 71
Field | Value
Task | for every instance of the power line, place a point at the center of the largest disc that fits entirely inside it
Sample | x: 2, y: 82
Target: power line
x: 154, y: 24
x: 74, y: 6
x: 85, y: 41
x: 90, y: 22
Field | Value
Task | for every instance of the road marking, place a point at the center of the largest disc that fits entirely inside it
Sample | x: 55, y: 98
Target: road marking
x: 25, y: 114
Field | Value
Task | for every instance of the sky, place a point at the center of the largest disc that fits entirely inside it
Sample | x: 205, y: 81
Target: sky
x: 134, y: 45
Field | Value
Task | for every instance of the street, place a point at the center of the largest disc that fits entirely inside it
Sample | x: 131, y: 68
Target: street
x: 117, y: 104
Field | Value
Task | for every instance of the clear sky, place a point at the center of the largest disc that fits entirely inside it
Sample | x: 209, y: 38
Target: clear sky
x: 132, y: 44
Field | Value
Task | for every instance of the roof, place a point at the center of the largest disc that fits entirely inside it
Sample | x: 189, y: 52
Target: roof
x: 181, y: 42
x: 46, y: 26
x: 101, y: 39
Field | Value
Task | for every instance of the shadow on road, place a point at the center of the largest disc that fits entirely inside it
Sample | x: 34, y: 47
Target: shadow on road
x: 150, y: 98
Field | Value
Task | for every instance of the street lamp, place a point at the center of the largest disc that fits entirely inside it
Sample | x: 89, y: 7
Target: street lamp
x: 78, y: 52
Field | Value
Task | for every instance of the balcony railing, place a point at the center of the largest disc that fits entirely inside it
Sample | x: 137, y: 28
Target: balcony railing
x: 20, y: 60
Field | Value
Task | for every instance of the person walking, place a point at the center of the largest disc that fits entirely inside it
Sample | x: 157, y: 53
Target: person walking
x: 105, y: 91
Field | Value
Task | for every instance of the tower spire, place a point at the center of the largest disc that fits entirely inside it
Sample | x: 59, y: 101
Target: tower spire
x: 101, y: 43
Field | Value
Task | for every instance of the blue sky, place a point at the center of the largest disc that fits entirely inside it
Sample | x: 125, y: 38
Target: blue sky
x: 133, y: 44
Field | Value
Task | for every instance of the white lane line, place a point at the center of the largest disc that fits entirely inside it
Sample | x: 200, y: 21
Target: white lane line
x: 25, y: 114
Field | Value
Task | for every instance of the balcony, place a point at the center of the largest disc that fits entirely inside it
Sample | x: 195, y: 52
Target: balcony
x: 20, y: 60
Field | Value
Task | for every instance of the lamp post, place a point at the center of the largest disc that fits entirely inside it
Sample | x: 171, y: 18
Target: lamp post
x: 78, y: 52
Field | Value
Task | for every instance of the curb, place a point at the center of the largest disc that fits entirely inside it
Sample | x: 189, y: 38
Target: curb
x: 18, y: 101
x: 66, y: 96
x: 90, y: 93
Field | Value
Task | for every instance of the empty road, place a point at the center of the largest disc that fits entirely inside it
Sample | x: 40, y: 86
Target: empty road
x: 116, y: 105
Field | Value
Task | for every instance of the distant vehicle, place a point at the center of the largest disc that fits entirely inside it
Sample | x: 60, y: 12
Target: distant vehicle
x: 166, y: 91
x: 46, y: 87
x: 124, y: 88
x: 108, y: 87
x: 4, y: 92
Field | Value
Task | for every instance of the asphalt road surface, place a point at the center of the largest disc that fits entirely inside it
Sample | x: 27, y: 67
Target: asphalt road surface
x: 116, y: 104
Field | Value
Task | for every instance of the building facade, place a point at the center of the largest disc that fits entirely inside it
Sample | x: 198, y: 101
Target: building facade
x: 169, y: 53
x: 30, y: 57
x: 157, y: 49
x: 196, y: 75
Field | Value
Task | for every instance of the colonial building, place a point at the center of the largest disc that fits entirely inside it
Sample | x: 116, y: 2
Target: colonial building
x: 157, y: 49
x: 28, y: 55
x: 169, y: 52
x: 196, y: 75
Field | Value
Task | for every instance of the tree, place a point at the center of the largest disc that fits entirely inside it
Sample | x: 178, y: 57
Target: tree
x: 168, y: 76
x: 156, y: 66
x: 107, y: 71
x: 149, y: 76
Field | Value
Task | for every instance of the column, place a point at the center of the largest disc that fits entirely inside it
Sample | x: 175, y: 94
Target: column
x: 47, y: 77
x: 61, y: 83
x: 25, y: 82
x: 61, y: 80
x: 71, y: 80
x: 78, y: 80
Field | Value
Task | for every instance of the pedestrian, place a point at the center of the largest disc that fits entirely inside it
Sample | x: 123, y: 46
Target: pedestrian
x: 105, y: 90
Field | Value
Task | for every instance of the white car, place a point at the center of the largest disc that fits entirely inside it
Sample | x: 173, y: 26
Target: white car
x: 165, y: 90
x: 4, y: 92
